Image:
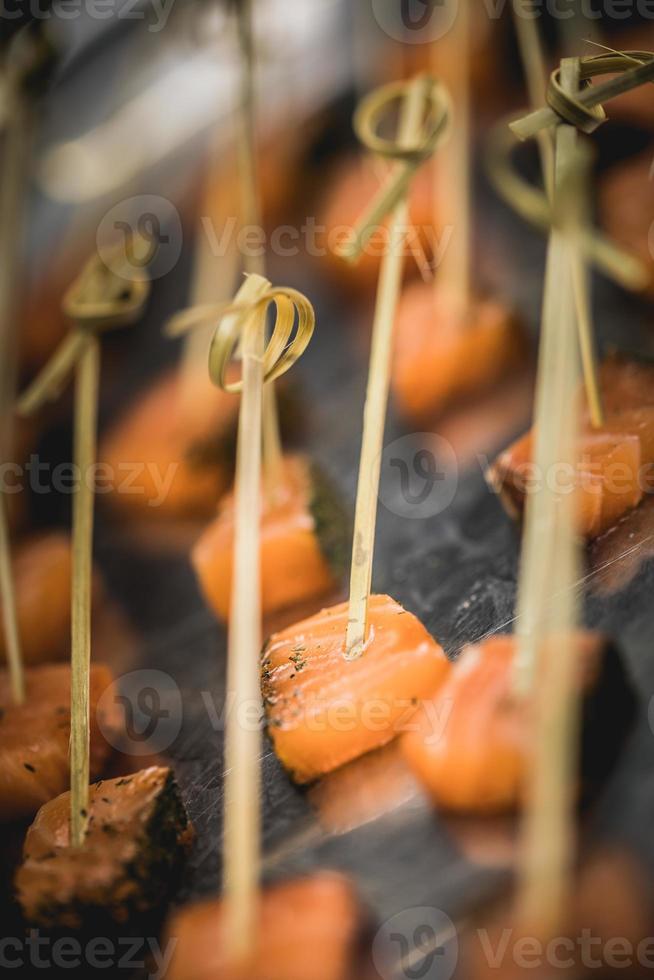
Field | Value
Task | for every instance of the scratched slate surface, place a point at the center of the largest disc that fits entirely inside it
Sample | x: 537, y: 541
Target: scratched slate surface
x: 456, y: 571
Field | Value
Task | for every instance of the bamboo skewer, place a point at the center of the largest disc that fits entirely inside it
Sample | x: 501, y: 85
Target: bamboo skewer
x: 388, y: 289
x: 18, y: 136
x: 100, y: 298
x: 252, y: 216
x: 546, y: 621
x: 197, y: 320
x: 533, y: 62
x: 534, y: 206
x: 453, y: 188
x: 246, y: 321
x: 87, y: 382
x: 242, y: 745
x: 532, y: 57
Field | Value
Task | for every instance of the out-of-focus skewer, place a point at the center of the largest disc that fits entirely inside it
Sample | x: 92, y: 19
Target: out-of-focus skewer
x: 545, y: 666
x: 533, y: 60
x: 103, y: 296
x: 245, y: 323
x: 254, y: 260
x: 451, y: 58
x: 18, y: 121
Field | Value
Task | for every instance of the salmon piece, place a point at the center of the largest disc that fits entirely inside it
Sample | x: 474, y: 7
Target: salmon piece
x: 626, y: 204
x: 137, y: 839
x: 34, y: 737
x: 615, y: 463
x: 42, y: 576
x: 610, y: 898
x: 323, y: 711
x: 171, y: 454
x: 441, y: 358
x: 477, y: 760
x: 304, y: 543
x: 309, y: 927
x: 607, y: 480
x: 354, y: 184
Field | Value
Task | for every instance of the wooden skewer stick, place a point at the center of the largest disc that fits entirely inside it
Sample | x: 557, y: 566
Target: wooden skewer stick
x: 15, y: 167
x: 390, y: 278
x: 533, y: 61
x: 100, y: 298
x: 87, y: 382
x: 254, y: 262
x: 533, y: 64
x: 198, y: 320
x: 242, y: 744
x: 547, y: 620
x: 246, y: 322
x: 453, y: 182
x: 534, y: 205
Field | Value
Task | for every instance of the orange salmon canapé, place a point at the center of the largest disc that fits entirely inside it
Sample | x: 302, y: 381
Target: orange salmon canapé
x: 131, y: 858
x: 307, y: 928
x: 304, y: 542
x: 171, y: 453
x: 354, y: 183
x: 615, y: 462
x: 34, y: 737
x: 322, y: 710
x: 42, y: 566
x: 442, y: 357
x: 478, y: 758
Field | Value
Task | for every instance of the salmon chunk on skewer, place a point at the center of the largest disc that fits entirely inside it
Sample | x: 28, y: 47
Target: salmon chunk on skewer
x: 478, y: 761
x: 323, y: 711
x: 170, y: 454
x: 442, y: 357
x: 354, y: 184
x: 308, y: 928
x: 615, y: 462
x: 626, y: 201
x: 34, y: 737
x: 304, y: 543
x: 42, y: 577
x: 137, y: 839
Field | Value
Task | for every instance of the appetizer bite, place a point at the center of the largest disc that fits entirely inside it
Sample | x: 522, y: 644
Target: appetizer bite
x: 306, y: 927
x: 175, y: 447
x: 303, y: 544
x: 614, y: 460
x: 626, y: 203
x: 35, y: 735
x: 444, y: 353
x: 451, y: 342
x: 42, y: 577
x: 343, y: 682
x: 353, y: 185
x: 128, y: 864
x: 323, y: 711
x: 479, y: 762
